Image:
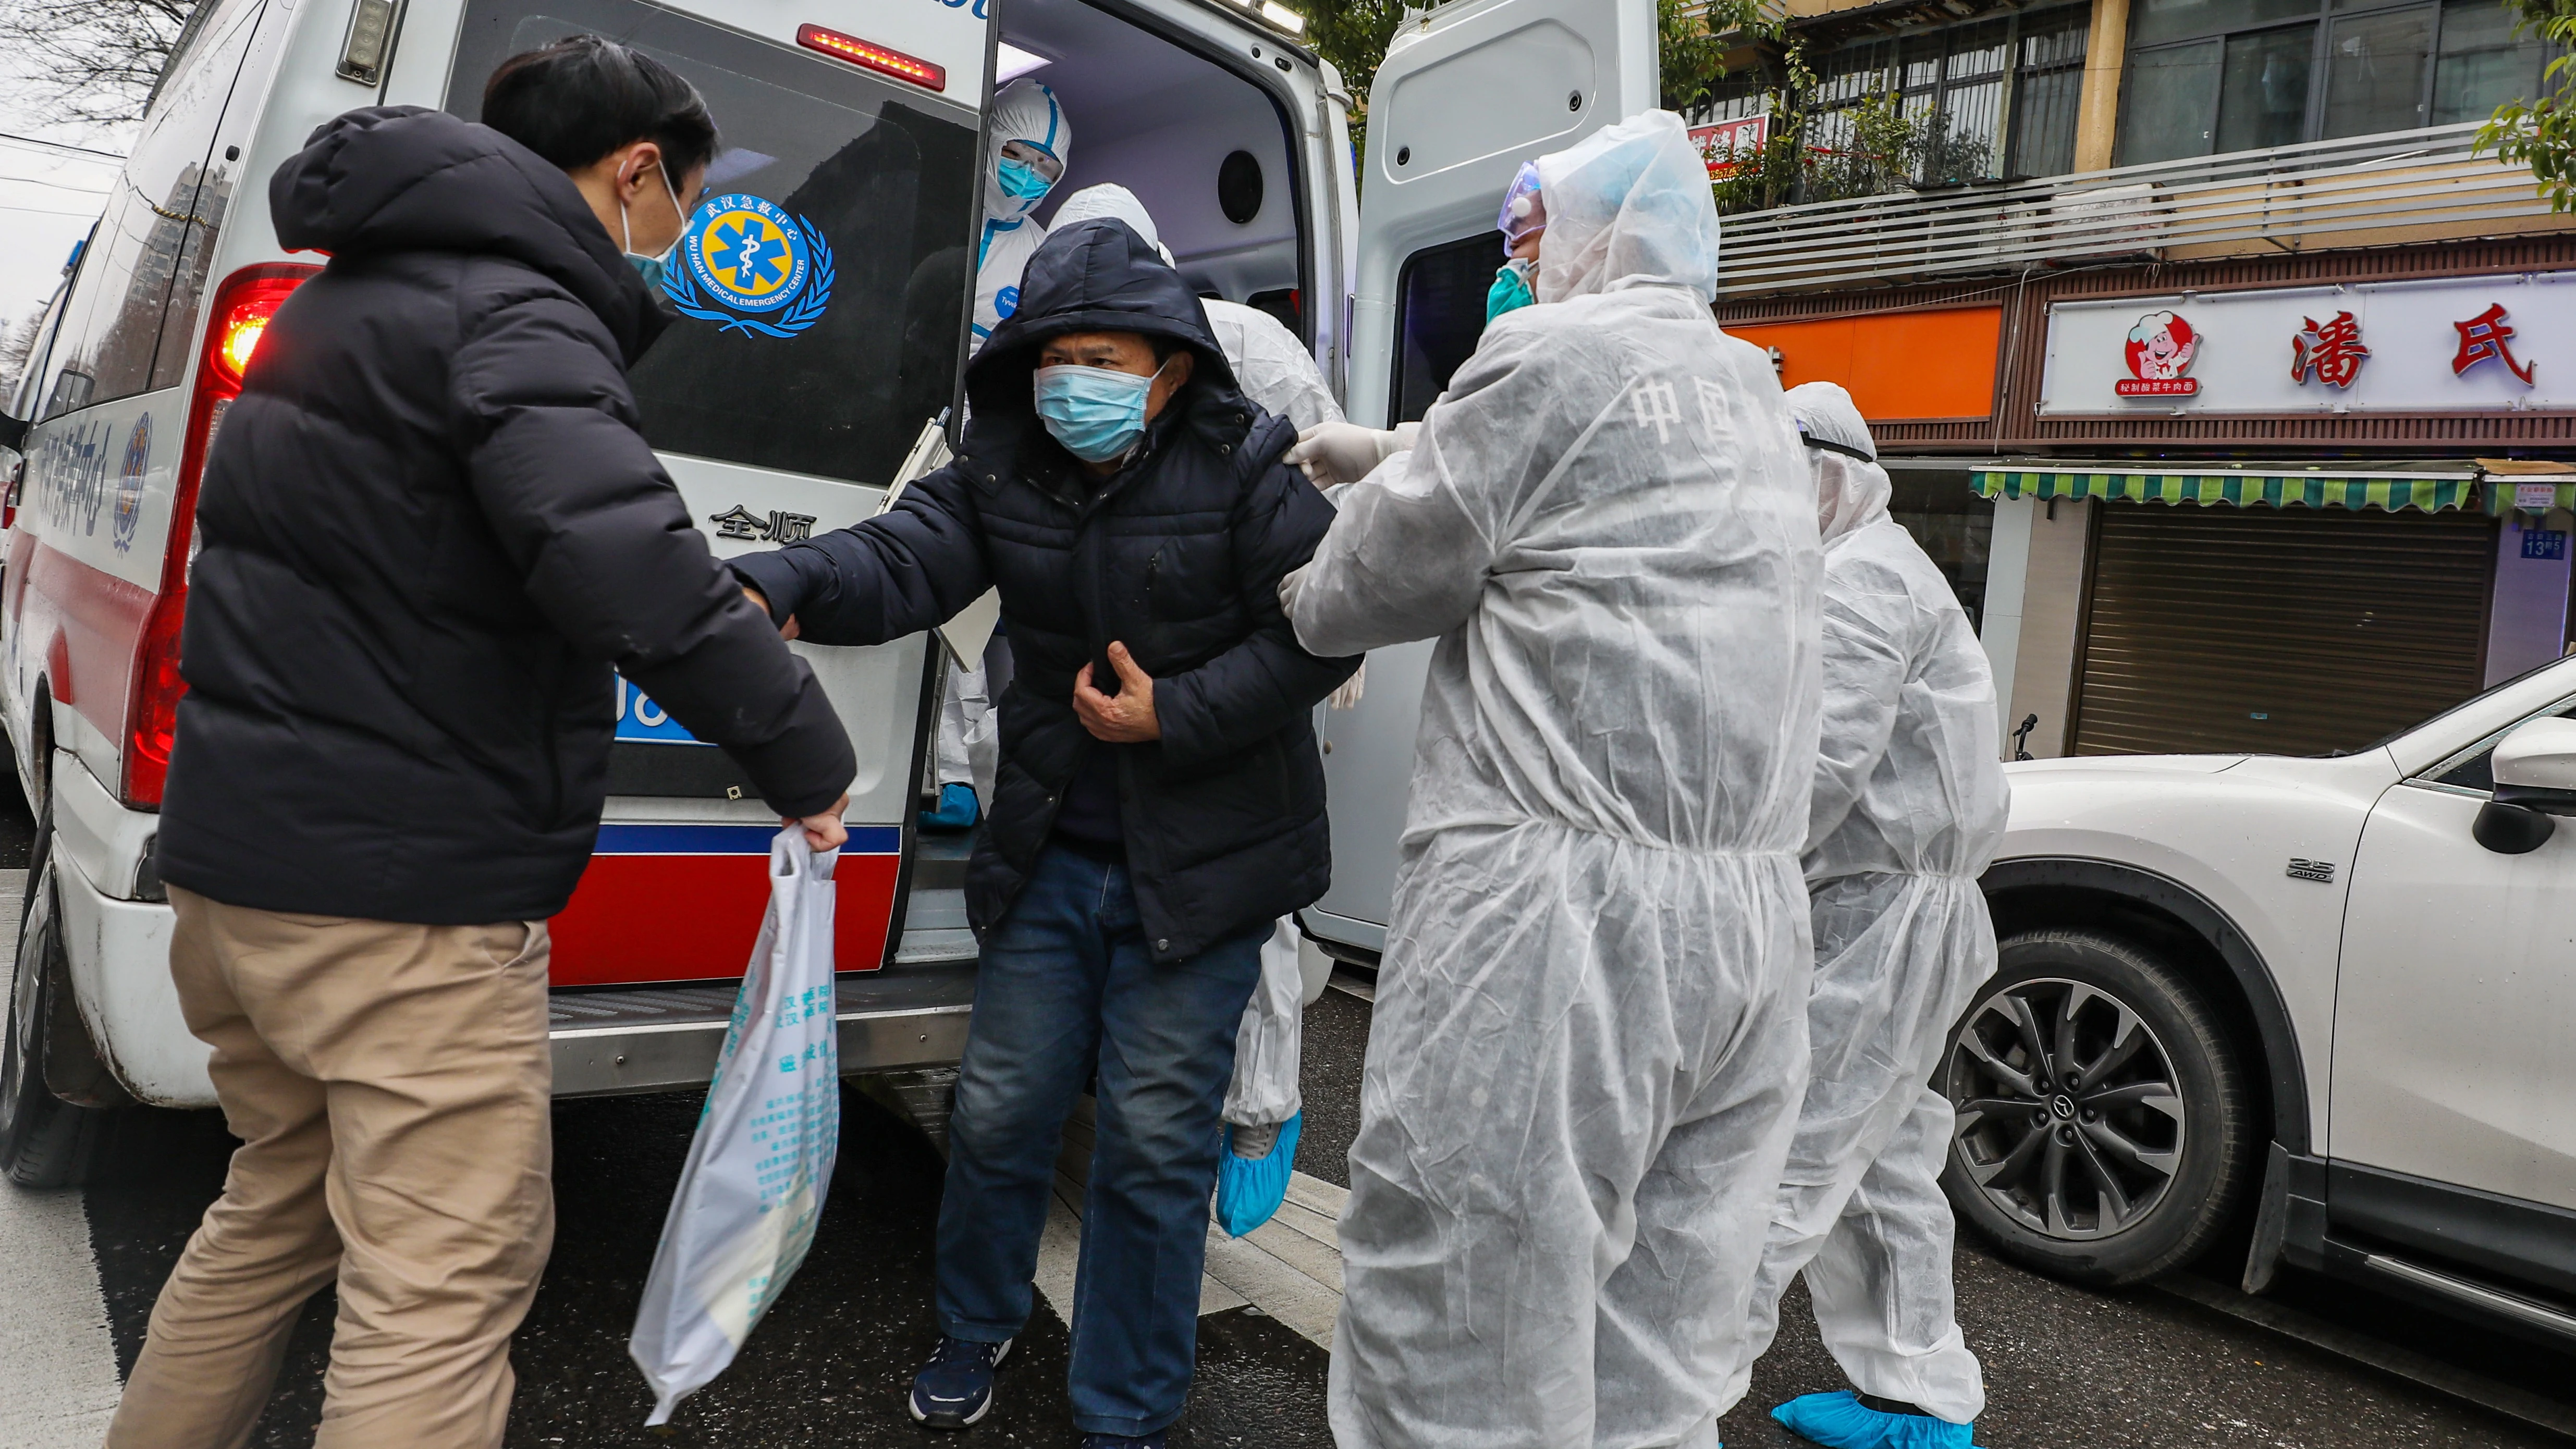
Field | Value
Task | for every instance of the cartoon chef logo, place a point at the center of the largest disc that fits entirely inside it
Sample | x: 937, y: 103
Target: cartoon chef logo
x: 748, y: 265
x: 2160, y: 349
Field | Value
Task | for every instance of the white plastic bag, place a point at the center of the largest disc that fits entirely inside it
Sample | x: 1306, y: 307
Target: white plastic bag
x: 1264, y: 1090
x: 753, y: 1187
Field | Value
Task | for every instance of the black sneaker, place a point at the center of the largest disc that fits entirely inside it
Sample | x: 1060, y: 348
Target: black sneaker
x: 1124, y: 1441
x: 955, y: 1388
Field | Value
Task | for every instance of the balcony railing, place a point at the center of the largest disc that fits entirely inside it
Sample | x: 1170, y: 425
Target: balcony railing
x: 2406, y: 186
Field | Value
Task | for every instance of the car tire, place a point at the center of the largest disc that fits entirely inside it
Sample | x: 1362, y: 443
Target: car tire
x: 2104, y: 1126
x: 44, y: 1140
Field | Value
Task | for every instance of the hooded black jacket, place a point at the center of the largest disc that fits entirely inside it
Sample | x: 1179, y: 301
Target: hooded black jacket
x: 430, y: 525
x: 1179, y: 556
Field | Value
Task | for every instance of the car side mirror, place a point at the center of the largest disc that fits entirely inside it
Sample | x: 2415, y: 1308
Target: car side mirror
x: 13, y: 433
x: 2535, y: 779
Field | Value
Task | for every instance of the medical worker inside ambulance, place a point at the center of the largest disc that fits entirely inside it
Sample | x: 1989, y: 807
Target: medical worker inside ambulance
x: 1590, y: 1036
x: 1027, y: 141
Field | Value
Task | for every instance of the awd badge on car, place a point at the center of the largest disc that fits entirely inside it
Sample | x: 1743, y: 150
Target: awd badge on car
x: 2321, y: 871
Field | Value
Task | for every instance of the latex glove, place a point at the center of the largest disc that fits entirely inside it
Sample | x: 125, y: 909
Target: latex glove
x: 1346, y: 452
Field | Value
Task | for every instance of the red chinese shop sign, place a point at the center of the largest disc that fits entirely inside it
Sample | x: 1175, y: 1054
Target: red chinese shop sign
x: 2459, y: 345
x: 1723, y: 143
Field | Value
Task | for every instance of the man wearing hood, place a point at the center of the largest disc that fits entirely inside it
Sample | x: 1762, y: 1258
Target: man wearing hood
x: 430, y: 527
x: 1158, y: 803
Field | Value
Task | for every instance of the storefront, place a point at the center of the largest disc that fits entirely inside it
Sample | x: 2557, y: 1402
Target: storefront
x: 2279, y: 613
x: 2287, y: 505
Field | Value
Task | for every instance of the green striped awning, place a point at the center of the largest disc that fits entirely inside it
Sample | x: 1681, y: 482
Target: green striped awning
x: 2385, y: 491
x: 2504, y: 494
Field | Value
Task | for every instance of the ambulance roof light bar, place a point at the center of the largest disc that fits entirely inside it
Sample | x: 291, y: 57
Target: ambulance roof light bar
x: 1277, y: 14
x: 869, y: 56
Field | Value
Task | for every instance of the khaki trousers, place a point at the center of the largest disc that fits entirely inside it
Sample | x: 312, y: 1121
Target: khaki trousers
x: 391, y: 1085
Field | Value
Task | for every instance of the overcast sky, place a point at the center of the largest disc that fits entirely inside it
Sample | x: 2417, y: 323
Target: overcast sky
x: 48, y: 198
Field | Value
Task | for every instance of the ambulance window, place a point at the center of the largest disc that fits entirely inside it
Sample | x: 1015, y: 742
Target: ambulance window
x: 22, y: 402
x: 156, y: 230
x: 830, y: 364
x: 1440, y: 312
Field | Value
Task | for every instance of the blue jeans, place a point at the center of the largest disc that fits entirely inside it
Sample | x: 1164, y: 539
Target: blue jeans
x: 1064, y: 986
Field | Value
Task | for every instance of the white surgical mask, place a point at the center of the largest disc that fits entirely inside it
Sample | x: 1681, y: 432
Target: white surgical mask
x: 650, y: 267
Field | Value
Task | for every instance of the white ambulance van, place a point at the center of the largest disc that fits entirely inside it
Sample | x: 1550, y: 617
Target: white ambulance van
x: 853, y: 129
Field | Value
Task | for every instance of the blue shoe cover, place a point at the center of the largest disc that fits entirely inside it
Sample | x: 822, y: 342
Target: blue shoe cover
x: 1841, y: 1421
x: 957, y: 809
x: 1249, y: 1191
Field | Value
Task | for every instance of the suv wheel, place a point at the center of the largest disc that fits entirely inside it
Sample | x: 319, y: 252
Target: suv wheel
x: 44, y: 1140
x: 2104, y: 1127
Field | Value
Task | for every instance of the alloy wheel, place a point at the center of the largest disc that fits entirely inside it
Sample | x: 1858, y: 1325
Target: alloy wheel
x: 2069, y: 1120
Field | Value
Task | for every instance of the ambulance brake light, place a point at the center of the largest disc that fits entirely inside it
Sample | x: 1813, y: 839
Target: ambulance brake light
x: 873, y: 57
x: 242, y: 308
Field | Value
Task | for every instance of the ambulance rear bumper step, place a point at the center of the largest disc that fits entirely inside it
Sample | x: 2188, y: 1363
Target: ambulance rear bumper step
x: 666, y: 1039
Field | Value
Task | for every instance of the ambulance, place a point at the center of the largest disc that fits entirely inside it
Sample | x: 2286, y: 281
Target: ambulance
x: 854, y: 129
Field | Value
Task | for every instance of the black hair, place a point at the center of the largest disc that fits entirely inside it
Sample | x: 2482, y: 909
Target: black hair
x: 580, y: 98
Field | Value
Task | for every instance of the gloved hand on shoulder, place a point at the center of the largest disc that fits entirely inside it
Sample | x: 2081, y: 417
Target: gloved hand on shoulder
x: 1334, y: 453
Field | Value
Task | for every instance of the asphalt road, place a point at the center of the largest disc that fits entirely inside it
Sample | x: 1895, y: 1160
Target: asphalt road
x: 2144, y: 1369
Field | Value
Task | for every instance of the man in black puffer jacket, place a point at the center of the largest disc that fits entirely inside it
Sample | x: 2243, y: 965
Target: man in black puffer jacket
x: 430, y: 527
x: 1159, y: 801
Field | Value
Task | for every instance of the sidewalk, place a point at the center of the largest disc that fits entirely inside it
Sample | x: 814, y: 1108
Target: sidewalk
x: 58, y: 1381
x: 1289, y: 1268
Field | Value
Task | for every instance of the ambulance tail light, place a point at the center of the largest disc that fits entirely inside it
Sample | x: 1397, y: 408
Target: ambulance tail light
x: 240, y: 315
x: 868, y: 55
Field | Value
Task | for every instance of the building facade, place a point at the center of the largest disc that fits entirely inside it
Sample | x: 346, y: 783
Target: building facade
x: 2252, y: 426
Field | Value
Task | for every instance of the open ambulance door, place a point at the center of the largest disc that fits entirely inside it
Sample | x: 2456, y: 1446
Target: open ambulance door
x: 1466, y: 94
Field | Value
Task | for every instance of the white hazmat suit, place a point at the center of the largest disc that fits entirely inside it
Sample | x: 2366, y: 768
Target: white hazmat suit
x: 1027, y: 112
x: 1589, y: 1039
x: 1909, y: 804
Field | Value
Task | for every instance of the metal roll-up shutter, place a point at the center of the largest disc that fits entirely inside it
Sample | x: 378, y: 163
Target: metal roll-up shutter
x: 2293, y: 631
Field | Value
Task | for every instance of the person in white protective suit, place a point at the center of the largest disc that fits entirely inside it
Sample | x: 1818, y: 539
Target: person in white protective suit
x: 1909, y: 804
x: 1029, y: 142
x: 1590, y: 1034
x: 1264, y: 1110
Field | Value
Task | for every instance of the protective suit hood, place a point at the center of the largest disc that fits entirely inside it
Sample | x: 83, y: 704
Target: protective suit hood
x: 1113, y: 200
x: 1628, y: 207
x: 1851, y: 492
x: 1026, y: 111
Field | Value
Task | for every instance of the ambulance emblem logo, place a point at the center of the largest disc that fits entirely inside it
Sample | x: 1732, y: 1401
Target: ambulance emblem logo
x: 748, y: 265
x: 129, y: 483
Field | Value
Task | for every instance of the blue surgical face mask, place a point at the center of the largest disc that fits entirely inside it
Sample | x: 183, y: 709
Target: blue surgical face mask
x: 1023, y: 182
x: 1097, y: 413
x: 1511, y: 290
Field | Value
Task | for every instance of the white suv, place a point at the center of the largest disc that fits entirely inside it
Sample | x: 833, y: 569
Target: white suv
x: 2337, y: 992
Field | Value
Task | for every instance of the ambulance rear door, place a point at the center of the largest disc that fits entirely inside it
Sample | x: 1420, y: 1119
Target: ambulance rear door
x: 821, y: 286
x: 1466, y: 94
